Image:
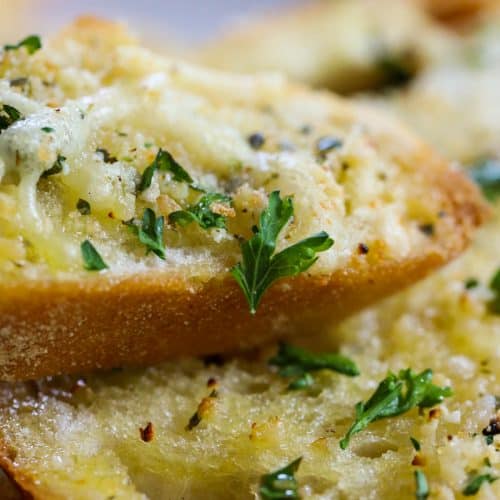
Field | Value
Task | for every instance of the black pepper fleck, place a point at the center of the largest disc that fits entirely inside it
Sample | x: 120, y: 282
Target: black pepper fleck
x: 256, y: 140
x: 427, y: 229
x: 363, y: 249
x: 326, y: 144
x: 107, y: 158
x: 493, y: 428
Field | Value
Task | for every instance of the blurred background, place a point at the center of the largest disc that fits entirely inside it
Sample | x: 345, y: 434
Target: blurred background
x: 153, y: 20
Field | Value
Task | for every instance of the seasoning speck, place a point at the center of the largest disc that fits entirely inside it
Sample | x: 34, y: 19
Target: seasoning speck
x: 471, y: 283
x: 363, y: 249
x: 327, y: 143
x: 147, y: 433
x: 256, y: 140
x: 427, y: 229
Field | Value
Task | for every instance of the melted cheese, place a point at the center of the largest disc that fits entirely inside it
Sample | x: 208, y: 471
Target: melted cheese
x: 131, y: 102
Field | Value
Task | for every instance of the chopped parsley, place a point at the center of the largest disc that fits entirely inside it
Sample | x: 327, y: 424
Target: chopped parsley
x: 8, y: 116
x: 83, y: 206
x: 422, y: 487
x: 106, y: 157
x: 47, y: 130
x: 31, y: 43
x: 92, y: 261
x: 486, y: 173
x: 298, y: 363
x: 396, y: 69
x: 281, y: 484
x: 415, y: 443
x: 261, y: 266
x: 397, y: 394
x: 494, y: 303
x: 57, y: 168
x: 476, y: 482
x: 202, y: 212
x: 150, y: 232
x: 164, y: 161
x: 471, y: 283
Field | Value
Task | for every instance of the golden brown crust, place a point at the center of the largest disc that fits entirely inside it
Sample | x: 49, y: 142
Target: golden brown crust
x: 102, y: 322
x: 458, y: 12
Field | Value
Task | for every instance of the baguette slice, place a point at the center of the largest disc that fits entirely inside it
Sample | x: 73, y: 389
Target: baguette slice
x: 96, y: 109
x: 344, y: 45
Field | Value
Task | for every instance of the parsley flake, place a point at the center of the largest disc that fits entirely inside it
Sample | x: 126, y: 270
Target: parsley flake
x: 296, y: 362
x: 494, y: 303
x: 150, y: 232
x: 31, y: 43
x: 202, y: 212
x: 164, y: 161
x: 281, y: 484
x: 476, y: 482
x: 422, y: 487
x: 83, y: 206
x: 57, y: 168
x: 415, y: 443
x: 106, y: 157
x: 261, y: 267
x: 397, y: 394
x: 8, y: 116
x: 471, y: 283
x: 92, y: 261
x: 47, y: 130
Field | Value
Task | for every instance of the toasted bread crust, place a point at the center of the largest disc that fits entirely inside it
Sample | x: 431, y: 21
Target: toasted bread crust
x: 457, y: 11
x: 66, y: 327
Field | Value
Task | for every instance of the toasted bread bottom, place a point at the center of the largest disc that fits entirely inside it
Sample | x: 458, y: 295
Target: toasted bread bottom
x: 49, y: 328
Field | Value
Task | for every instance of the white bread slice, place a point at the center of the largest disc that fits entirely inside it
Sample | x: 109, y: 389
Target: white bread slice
x: 79, y: 436
x: 343, y: 45
x: 395, y: 210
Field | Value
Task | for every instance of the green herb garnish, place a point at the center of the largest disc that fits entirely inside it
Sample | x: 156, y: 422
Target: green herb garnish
x: 57, y: 168
x: 92, y: 261
x: 83, y: 206
x: 422, y: 487
x: 164, y: 161
x: 8, y: 116
x: 415, y: 443
x: 396, y: 70
x: 260, y: 266
x: 476, y: 482
x: 494, y: 303
x: 32, y: 43
x: 471, y: 283
x: 298, y: 363
x: 487, y: 174
x: 397, y: 394
x: 202, y: 213
x: 106, y: 157
x: 47, y: 130
x: 150, y: 232
x: 281, y: 484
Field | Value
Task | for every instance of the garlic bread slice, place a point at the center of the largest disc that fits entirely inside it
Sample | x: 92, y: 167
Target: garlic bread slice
x: 133, y: 187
